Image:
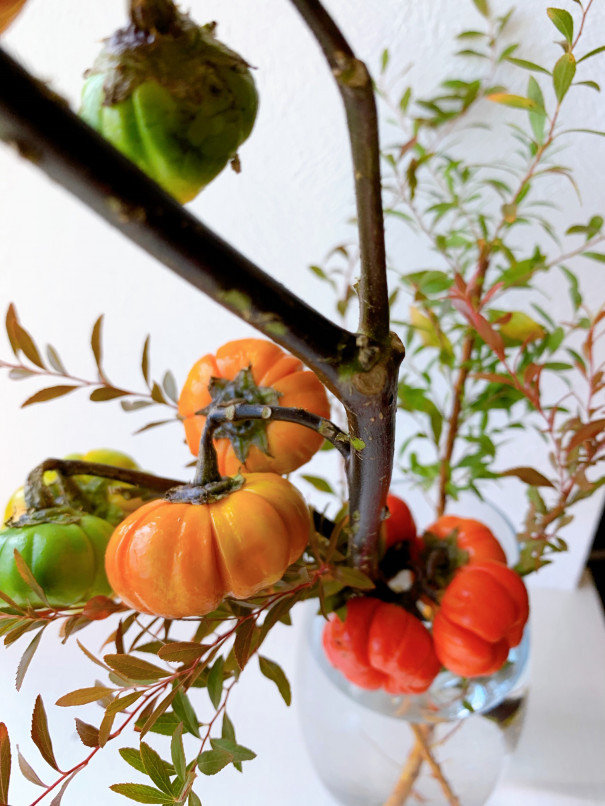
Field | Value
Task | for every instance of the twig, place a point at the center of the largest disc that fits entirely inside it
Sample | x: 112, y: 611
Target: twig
x: 411, y: 771
x: 430, y: 759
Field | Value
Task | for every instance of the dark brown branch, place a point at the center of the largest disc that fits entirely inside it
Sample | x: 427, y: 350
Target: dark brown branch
x: 47, y: 133
x: 355, y: 85
x: 255, y: 411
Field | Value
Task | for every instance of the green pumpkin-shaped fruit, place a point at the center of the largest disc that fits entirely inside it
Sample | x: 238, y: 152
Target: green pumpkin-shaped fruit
x: 65, y: 552
x: 172, y: 98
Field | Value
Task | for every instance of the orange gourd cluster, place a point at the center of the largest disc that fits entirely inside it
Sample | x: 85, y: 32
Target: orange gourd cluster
x: 178, y: 559
x: 480, y: 615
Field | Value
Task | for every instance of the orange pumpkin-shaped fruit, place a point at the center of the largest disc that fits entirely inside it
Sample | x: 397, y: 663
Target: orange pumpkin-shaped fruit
x: 182, y: 559
x: 256, y: 371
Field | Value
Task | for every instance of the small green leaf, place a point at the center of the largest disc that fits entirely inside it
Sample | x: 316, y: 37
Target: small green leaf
x: 563, y: 74
x: 563, y: 21
x: 536, y: 119
x: 177, y: 753
x: 353, y: 577
x: 599, y: 256
x: 592, y: 53
x: 215, y: 682
x: 237, y: 751
x: 142, y: 793
x: 482, y: 7
x: 155, y: 768
x: 134, y: 668
x: 319, y: 483
x: 516, y: 101
x: 193, y: 799
x: 536, y: 68
x: 186, y: 713
x: 170, y: 387
x: 132, y: 756
x: 212, y: 761
x: 274, y: 672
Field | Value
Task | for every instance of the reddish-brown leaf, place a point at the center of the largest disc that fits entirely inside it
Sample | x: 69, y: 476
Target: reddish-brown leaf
x: 5, y: 763
x: 50, y: 393
x: 40, y: 734
x: 588, y: 431
x: 88, y: 734
x: 100, y: 607
x: 529, y: 476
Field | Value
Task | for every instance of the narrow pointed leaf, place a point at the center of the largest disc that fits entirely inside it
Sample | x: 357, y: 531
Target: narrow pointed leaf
x: 49, y: 393
x: 182, y: 651
x: 186, y: 713
x: 54, y: 359
x: 56, y: 801
x: 40, y: 734
x: 145, y: 361
x: 528, y: 475
x: 563, y: 74
x: 274, y: 672
x: 177, y: 753
x: 215, y: 682
x: 592, y: 53
x: 193, y: 799
x: 133, y: 757
x: 28, y: 772
x: 563, y: 21
x: 82, y: 696
x: 516, y: 101
x: 106, y: 393
x: 142, y: 793
x: 5, y: 763
x: 243, y: 642
x: 155, y: 768
x: 26, y: 659
x: 135, y: 668
x: 97, y: 348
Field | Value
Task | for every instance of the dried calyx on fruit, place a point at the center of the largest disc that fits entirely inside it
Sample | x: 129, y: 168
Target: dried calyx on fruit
x: 171, y: 97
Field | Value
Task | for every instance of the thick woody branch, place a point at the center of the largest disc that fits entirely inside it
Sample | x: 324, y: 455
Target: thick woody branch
x: 355, y: 85
x: 52, y: 137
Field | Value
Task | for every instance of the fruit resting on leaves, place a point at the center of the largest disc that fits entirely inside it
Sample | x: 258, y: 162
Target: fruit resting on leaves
x: 254, y: 371
x: 64, y: 551
x: 182, y: 559
x: 173, y: 99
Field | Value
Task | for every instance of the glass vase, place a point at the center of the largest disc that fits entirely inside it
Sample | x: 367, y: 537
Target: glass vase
x: 446, y: 746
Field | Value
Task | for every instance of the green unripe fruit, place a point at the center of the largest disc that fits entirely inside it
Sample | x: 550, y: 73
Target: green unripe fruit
x: 176, y: 101
x: 66, y: 555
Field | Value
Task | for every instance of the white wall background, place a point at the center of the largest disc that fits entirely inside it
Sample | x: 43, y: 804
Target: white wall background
x: 62, y: 266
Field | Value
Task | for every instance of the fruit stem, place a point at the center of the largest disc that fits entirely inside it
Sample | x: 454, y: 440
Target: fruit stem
x: 38, y: 496
x: 153, y: 16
